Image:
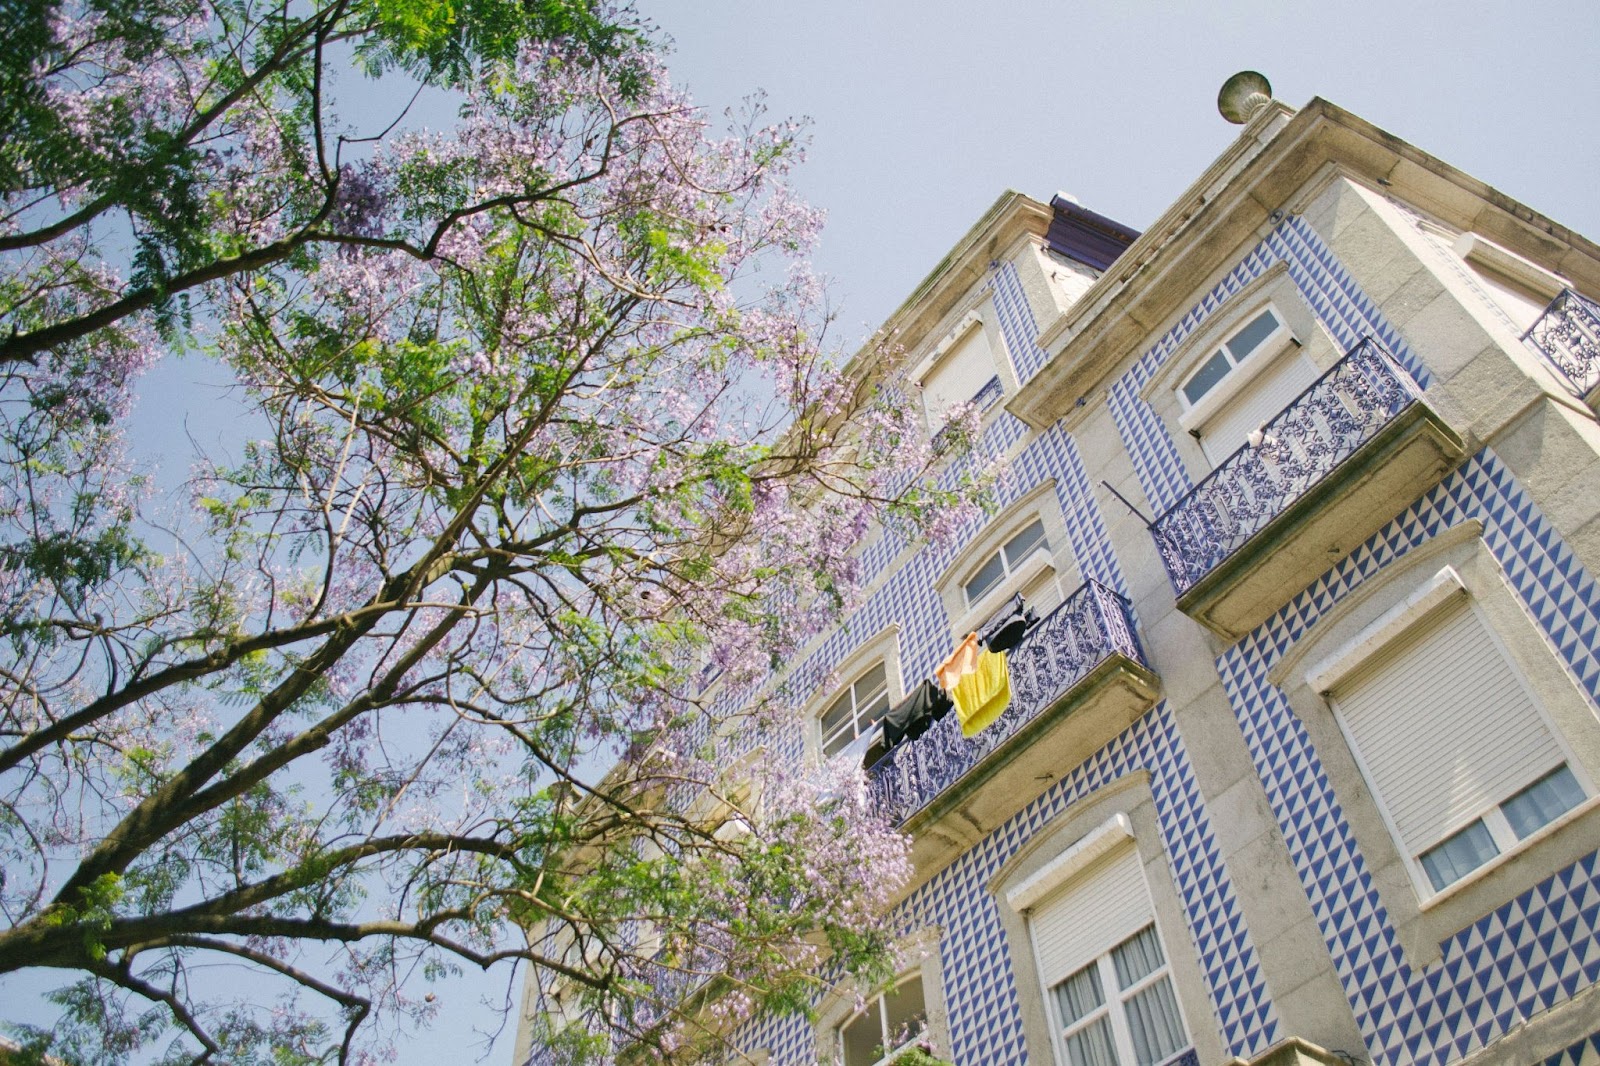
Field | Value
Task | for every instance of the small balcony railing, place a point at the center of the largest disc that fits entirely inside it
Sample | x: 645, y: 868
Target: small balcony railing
x: 1568, y: 336
x: 1294, y: 451
x: 1057, y: 654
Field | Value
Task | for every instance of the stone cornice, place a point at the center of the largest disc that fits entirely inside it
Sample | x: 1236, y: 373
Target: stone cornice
x: 1237, y: 201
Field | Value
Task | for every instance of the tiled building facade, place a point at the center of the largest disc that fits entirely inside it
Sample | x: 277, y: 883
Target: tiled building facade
x: 1349, y: 849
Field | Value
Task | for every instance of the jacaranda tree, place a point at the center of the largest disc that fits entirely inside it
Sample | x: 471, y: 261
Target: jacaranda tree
x: 536, y: 422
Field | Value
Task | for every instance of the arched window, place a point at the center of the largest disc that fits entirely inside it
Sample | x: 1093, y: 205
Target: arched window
x: 890, y: 1022
x: 1243, y: 382
x: 1006, y: 561
x: 855, y: 712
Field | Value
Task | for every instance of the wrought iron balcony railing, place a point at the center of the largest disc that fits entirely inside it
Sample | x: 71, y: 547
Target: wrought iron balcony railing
x: 989, y: 395
x: 1568, y: 336
x: 1056, y: 655
x: 1299, y: 447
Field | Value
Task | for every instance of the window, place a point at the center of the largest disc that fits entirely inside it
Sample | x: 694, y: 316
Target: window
x: 1005, y: 562
x: 1139, y: 1024
x: 1241, y: 383
x: 855, y: 713
x: 1235, y: 350
x: 889, y: 1024
x: 1101, y: 961
x: 1461, y: 757
x: 961, y: 369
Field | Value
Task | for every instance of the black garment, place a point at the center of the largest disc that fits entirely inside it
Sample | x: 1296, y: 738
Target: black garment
x: 911, y: 717
x: 1008, y: 626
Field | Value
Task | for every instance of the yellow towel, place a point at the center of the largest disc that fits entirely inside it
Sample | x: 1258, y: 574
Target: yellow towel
x: 981, y: 695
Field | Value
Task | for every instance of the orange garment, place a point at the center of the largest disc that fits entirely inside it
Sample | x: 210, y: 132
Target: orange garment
x: 962, y: 661
x: 983, y: 694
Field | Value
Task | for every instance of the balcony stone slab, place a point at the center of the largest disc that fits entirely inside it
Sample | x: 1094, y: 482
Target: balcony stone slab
x: 1362, y: 495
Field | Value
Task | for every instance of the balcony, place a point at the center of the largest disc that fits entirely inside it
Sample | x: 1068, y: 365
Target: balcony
x: 1567, y: 335
x: 1077, y: 680
x: 1328, y: 471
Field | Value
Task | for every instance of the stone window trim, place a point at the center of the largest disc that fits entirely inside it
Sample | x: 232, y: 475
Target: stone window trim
x: 1434, y: 596
x: 1382, y: 607
x: 1041, y: 504
x: 921, y: 950
x: 883, y: 646
x: 1273, y: 287
x: 1485, y: 255
x: 1049, y: 857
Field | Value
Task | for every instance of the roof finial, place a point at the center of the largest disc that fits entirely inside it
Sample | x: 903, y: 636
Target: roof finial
x: 1244, y: 96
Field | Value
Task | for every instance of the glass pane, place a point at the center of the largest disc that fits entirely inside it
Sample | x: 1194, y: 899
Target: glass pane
x: 861, y: 1037
x: 872, y: 683
x: 875, y: 751
x: 1137, y: 957
x: 1212, y: 371
x: 905, y: 1012
x: 1249, y: 339
x: 1542, y: 802
x: 1091, y: 1045
x: 837, y: 714
x: 985, y: 579
x: 1079, y: 994
x: 873, y: 709
x: 1153, y: 1021
x: 1022, y: 545
x: 1450, y: 861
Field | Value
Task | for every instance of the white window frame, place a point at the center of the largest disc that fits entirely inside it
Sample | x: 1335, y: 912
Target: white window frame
x: 876, y: 1002
x: 857, y: 729
x: 1009, y: 568
x: 1110, y: 836
x: 1115, y: 996
x: 1242, y: 369
x: 1419, y: 608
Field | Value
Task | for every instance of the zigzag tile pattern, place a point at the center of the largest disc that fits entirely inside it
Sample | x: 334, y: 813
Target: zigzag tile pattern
x: 975, y: 959
x: 1585, y: 1052
x: 1533, y: 952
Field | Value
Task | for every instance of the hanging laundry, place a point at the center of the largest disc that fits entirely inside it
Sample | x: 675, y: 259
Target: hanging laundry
x: 962, y: 661
x: 858, y: 750
x: 911, y: 717
x: 982, y: 695
x: 1006, y: 628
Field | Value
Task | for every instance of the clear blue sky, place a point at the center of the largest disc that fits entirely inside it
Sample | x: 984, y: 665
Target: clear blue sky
x: 924, y: 112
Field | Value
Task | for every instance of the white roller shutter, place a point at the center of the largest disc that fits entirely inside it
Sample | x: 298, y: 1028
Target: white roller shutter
x: 1443, y: 726
x: 1273, y: 389
x: 1095, y: 911
x: 959, y: 375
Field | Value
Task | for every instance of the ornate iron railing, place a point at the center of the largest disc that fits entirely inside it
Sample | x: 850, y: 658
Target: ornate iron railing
x: 987, y: 396
x: 1092, y: 625
x: 1286, y: 458
x: 1568, y: 336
